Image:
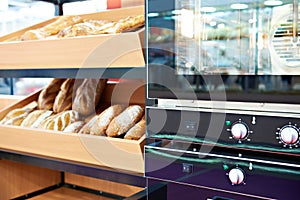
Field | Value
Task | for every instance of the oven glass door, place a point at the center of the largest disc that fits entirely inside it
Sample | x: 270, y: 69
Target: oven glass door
x: 237, y: 50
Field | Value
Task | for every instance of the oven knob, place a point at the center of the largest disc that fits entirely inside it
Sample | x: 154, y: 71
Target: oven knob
x: 289, y: 134
x: 239, y: 131
x: 236, y: 176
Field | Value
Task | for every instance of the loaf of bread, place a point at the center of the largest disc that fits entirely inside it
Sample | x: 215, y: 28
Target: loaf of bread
x: 63, y: 100
x: 88, y: 95
x: 137, y: 131
x: 74, y: 127
x: 124, y: 121
x: 105, y: 117
x: 52, y: 28
x: 60, y: 121
x: 36, y: 117
x: 15, y: 116
x: 87, y: 127
x: 48, y: 94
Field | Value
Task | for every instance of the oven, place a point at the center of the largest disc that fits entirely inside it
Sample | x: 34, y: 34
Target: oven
x: 223, y: 90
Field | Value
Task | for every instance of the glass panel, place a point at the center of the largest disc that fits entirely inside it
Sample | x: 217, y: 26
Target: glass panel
x: 236, y: 38
x: 236, y: 50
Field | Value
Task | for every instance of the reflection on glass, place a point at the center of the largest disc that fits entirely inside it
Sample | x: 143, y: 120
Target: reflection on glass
x: 243, y: 47
x: 240, y: 40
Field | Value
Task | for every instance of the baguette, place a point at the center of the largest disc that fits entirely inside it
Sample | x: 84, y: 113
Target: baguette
x: 124, y: 121
x: 88, y: 96
x: 63, y: 100
x: 48, y: 94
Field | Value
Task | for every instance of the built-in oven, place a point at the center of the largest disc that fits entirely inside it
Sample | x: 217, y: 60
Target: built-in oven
x: 223, y: 84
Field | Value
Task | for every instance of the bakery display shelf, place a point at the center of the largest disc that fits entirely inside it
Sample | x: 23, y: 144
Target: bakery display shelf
x: 122, y: 154
x: 104, y: 52
x: 124, y: 72
x: 81, y: 57
x: 101, y: 172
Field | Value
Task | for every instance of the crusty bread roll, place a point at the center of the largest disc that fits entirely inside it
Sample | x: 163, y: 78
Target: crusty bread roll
x: 88, y: 95
x: 34, y: 118
x: 60, y: 121
x: 124, y: 121
x: 15, y: 116
x: 63, y: 100
x: 74, y: 127
x: 48, y: 94
x: 137, y: 131
x: 105, y: 117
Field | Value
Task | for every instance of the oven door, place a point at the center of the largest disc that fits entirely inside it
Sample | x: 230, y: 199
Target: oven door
x: 241, y: 50
x: 195, y: 175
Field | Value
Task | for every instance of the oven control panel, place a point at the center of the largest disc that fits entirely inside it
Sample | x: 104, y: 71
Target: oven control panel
x: 257, y: 130
x: 260, y: 179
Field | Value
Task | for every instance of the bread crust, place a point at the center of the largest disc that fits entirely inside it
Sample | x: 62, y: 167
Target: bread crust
x: 60, y: 121
x: 137, y: 131
x: 72, y: 26
x: 88, y: 96
x: 87, y: 127
x: 104, y: 119
x: 63, y: 100
x: 51, y: 29
x: 74, y: 127
x: 34, y: 118
x: 124, y: 121
x: 16, y: 116
x: 48, y: 94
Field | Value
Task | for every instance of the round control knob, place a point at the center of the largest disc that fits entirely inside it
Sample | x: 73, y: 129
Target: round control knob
x: 239, y: 131
x: 289, y: 134
x: 236, y: 176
